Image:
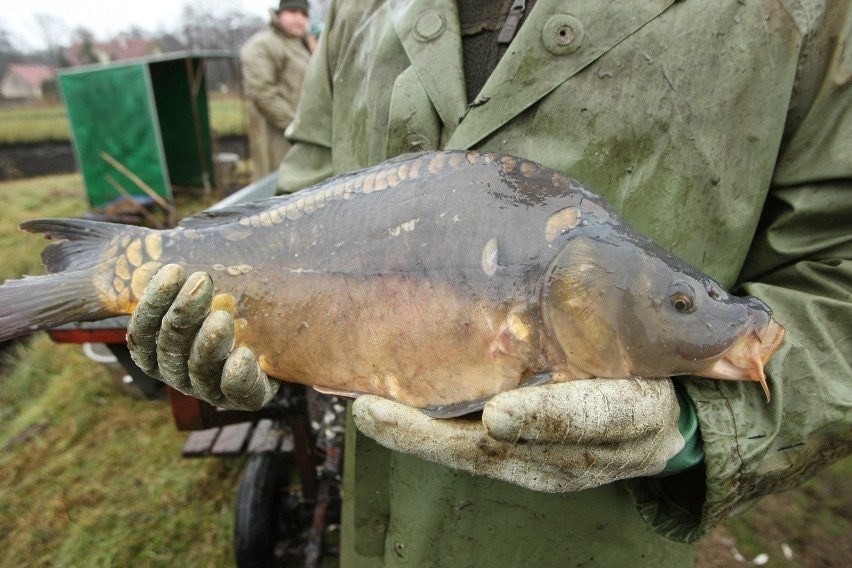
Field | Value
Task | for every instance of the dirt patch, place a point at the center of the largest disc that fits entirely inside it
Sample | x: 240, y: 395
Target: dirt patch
x: 808, y: 527
x: 30, y: 160
x: 44, y: 158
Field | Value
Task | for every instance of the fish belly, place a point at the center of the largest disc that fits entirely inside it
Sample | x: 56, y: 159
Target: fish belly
x: 417, y: 341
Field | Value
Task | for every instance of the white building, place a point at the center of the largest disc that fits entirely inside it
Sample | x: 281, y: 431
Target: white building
x: 24, y: 80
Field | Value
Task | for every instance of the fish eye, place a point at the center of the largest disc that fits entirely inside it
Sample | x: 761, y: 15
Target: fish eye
x: 682, y: 303
x: 682, y: 297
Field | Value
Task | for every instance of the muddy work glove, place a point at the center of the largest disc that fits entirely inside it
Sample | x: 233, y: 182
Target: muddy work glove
x: 176, y: 337
x: 554, y: 438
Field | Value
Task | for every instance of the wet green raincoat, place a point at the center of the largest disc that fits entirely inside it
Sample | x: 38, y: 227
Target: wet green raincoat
x: 723, y: 130
x: 273, y: 66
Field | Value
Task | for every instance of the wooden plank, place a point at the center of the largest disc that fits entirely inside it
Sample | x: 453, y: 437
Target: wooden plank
x: 199, y: 443
x: 232, y: 439
x: 265, y: 437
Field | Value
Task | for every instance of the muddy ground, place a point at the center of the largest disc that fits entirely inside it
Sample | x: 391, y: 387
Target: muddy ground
x: 30, y: 160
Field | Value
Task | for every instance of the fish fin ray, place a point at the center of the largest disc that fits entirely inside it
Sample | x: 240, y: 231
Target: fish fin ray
x: 408, y: 156
x: 537, y: 380
x: 337, y: 392
x: 215, y: 217
x: 79, y: 241
x: 456, y: 409
x: 35, y: 303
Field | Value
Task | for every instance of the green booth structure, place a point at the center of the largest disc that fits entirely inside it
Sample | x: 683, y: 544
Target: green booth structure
x: 141, y: 127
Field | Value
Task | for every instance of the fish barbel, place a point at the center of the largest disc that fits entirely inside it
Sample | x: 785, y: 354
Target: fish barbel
x: 437, y: 280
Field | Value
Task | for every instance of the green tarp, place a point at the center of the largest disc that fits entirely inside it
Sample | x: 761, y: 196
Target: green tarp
x: 145, y: 118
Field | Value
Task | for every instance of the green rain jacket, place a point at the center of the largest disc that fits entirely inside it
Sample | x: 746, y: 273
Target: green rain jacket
x: 273, y: 67
x: 722, y: 130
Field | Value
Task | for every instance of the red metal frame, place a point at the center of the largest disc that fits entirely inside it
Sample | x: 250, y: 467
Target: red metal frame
x: 188, y: 412
x: 80, y: 335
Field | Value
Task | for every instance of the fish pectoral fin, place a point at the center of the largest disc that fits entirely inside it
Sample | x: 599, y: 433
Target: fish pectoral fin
x: 456, y: 409
x: 569, y: 373
x: 337, y: 392
x: 540, y: 379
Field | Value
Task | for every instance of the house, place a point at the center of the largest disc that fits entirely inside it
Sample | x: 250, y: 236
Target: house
x: 113, y: 50
x: 24, y: 80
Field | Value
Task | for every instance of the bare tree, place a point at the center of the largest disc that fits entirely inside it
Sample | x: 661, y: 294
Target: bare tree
x: 8, y: 52
x: 135, y: 32
x: 86, y: 40
x: 216, y: 25
x: 54, y: 32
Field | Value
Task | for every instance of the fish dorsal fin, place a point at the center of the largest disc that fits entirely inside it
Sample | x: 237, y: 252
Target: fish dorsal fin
x: 381, y: 177
x: 216, y: 216
x: 389, y: 174
x: 213, y: 217
x: 407, y: 157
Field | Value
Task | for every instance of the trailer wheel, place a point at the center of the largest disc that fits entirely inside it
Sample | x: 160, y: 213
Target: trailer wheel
x: 260, y: 503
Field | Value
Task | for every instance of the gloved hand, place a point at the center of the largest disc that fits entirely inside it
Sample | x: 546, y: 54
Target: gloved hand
x: 174, y: 336
x: 554, y: 438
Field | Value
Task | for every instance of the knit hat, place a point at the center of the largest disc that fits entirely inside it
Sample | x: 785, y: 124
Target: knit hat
x: 293, y: 5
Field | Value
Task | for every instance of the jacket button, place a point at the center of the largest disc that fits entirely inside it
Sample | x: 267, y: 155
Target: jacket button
x: 429, y: 25
x: 562, y: 34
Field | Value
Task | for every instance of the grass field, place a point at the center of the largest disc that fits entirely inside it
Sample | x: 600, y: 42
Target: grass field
x: 88, y: 475
x: 92, y: 477
x: 48, y: 122
x: 28, y: 124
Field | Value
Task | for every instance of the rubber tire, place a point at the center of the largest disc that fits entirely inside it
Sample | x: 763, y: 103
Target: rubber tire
x: 257, y: 526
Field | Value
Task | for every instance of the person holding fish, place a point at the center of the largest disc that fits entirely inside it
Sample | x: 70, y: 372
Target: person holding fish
x: 719, y: 130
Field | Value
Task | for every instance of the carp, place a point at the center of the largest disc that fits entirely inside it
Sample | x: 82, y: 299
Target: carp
x: 437, y: 280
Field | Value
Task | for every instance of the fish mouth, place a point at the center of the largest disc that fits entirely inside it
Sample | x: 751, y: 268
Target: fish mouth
x: 745, y: 359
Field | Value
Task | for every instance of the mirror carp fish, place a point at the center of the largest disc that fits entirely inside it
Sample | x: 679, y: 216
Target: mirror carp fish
x: 437, y: 280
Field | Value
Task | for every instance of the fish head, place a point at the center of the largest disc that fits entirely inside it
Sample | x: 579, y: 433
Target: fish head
x: 615, y: 304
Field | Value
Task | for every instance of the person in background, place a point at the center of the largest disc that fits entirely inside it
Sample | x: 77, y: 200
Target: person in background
x: 314, y: 34
x: 719, y: 129
x: 273, y: 65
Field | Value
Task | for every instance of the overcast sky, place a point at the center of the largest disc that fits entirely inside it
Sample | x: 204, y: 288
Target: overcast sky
x: 106, y: 17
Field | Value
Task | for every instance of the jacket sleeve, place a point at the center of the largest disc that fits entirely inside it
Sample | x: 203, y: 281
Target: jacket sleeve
x: 309, y: 160
x: 800, y: 263
x: 260, y: 65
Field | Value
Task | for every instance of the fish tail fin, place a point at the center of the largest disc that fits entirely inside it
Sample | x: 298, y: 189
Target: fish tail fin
x: 42, y: 302
x: 91, y: 274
